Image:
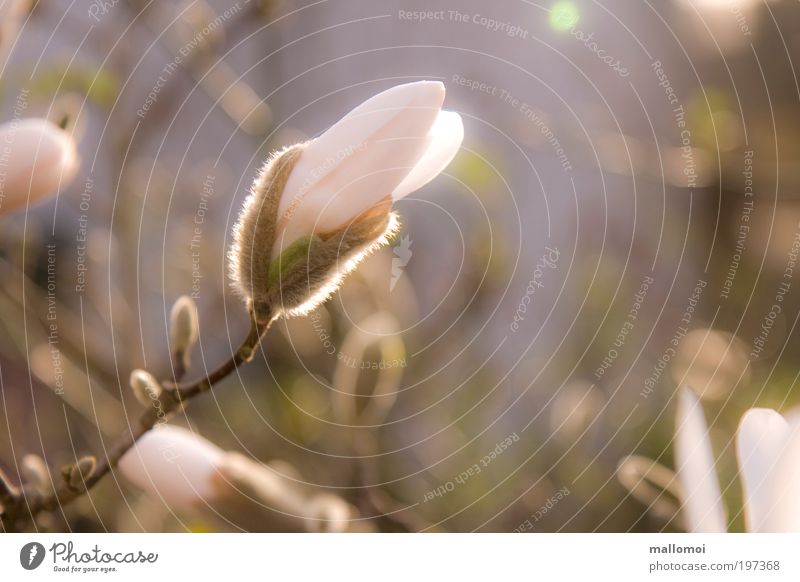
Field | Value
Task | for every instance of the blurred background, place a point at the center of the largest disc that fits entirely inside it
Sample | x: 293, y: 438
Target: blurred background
x: 619, y: 223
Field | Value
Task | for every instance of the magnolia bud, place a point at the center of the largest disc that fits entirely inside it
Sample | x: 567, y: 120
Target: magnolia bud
x: 41, y: 159
x: 319, y: 208
x: 174, y: 464
x: 327, y: 513
x: 145, y: 387
x: 77, y: 474
x: 651, y: 483
x: 35, y: 472
x: 197, y: 27
x: 246, y: 486
x: 183, y: 328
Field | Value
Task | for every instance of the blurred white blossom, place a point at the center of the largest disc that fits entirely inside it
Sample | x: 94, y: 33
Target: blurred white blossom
x: 174, y: 464
x: 37, y: 158
x: 768, y: 451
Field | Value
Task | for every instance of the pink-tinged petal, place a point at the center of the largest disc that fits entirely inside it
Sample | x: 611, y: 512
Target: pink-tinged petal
x: 175, y: 464
x: 702, y: 505
x: 760, y: 439
x: 786, y: 485
x: 349, y: 134
x: 39, y: 158
x: 359, y: 161
x: 768, y: 449
x: 445, y: 136
x: 792, y: 416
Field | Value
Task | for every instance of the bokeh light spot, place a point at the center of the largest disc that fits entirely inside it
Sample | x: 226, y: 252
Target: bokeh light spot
x: 563, y: 16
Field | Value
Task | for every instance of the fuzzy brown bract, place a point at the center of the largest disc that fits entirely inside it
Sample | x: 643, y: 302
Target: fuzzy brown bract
x: 254, y: 232
x: 313, y: 279
x: 318, y: 270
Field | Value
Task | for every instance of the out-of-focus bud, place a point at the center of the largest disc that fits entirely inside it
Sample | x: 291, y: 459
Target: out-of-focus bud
x: 77, y: 474
x: 257, y: 495
x: 200, y: 27
x: 174, y: 464
x: 183, y: 328
x: 652, y: 484
x: 382, y: 330
x: 145, y: 387
x: 40, y: 159
x: 327, y: 513
x: 35, y: 473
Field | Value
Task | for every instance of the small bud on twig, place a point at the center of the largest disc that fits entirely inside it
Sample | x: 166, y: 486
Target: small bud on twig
x: 327, y: 513
x: 77, y: 474
x: 183, y: 329
x: 145, y: 387
x: 36, y: 474
x: 652, y: 484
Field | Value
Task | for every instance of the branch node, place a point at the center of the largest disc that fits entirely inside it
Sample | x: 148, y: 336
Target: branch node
x: 76, y: 475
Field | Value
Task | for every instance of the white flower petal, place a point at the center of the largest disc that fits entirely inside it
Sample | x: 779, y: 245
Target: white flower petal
x: 785, y: 481
x: 446, y: 136
x: 350, y: 133
x: 760, y: 442
x: 41, y: 158
x: 359, y: 161
x: 702, y: 504
x: 175, y: 464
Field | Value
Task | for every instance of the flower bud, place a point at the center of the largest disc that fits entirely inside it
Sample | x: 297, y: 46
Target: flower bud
x: 318, y: 208
x: 183, y: 328
x: 77, y: 474
x: 327, y: 513
x: 651, y: 483
x: 246, y: 487
x: 145, y: 387
x: 40, y: 159
x: 35, y: 472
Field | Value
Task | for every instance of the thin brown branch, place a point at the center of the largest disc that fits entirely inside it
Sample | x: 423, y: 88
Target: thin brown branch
x: 27, y: 503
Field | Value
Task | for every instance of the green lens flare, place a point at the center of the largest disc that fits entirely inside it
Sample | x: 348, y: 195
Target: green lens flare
x: 563, y: 16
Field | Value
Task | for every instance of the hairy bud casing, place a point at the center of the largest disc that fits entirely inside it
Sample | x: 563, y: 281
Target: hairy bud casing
x: 183, y: 328
x: 145, y: 387
x: 309, y: 270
